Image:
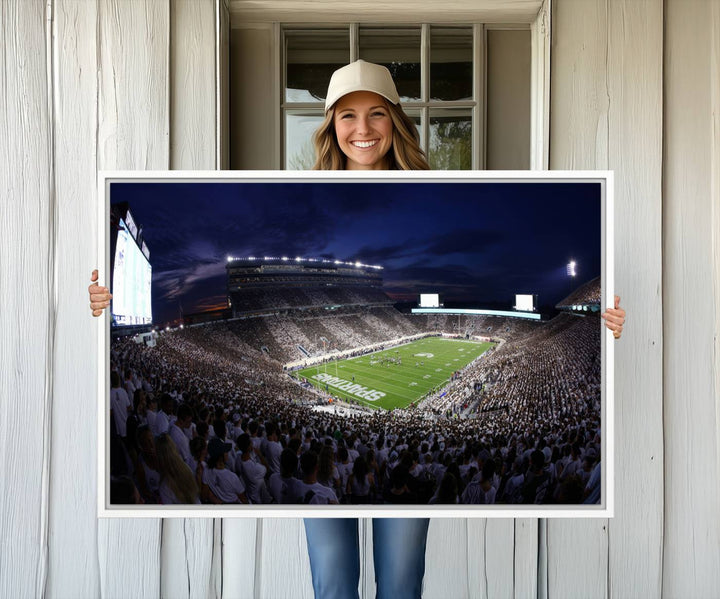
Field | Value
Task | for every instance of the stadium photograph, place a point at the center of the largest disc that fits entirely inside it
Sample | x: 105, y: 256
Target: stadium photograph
x: 373, y: 344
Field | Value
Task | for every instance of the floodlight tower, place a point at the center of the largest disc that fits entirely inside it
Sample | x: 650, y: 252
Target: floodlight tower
x: 571, y: 268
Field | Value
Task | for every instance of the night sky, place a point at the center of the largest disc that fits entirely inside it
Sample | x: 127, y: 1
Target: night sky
x: 477, y: 244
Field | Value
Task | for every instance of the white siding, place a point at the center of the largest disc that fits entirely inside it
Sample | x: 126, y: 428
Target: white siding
x: 692, y: 306
x: 635, y: 535
x: 73, y: 556
x: 606, y: 113
x: 27, y: 258
x: 577, y: 550
x: 132, y: 131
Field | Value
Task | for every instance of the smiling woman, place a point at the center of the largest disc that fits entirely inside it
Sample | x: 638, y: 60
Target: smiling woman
x: 365, y: 127
x: 364, y: 130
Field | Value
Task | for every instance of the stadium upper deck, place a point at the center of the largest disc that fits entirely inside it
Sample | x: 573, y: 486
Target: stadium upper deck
x: 258, y: 283
x: 255, y: 272
x: 585, y: 298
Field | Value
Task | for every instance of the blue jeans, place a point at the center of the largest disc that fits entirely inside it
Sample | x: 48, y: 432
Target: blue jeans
x: 398, y: 552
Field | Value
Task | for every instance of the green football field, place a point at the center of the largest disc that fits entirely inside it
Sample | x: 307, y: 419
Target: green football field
x: 396, y: 377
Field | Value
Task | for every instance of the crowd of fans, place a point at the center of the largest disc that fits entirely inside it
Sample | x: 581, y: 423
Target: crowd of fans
x: 207, y: 416
x: 588, y: 294
x: 289, y: 297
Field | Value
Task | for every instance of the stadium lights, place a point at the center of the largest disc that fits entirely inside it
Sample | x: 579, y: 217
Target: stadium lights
x: 571, y: 268
x: 356, y: 264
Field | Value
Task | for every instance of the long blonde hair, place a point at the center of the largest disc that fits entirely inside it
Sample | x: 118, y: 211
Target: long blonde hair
x: 175, y: 471
x: 405, y: 154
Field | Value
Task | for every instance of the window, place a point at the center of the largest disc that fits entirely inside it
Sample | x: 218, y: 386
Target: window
x: 467, y: 87
x: 438, y: 70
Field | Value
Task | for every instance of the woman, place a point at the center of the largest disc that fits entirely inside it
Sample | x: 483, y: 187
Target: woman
x: 361, y: 483
x: 177, y: 485
x: 365, y: 129
x: 147, y: 470
x: 327, y: 472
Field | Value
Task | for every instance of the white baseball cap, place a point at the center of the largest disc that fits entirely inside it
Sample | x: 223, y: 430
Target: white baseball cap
x: 361, y: 76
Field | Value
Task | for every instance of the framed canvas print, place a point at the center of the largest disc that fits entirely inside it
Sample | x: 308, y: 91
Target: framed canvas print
x: 356, y: 344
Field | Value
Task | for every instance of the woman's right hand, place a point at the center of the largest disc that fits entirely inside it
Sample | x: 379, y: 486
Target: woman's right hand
x: 99, y: 296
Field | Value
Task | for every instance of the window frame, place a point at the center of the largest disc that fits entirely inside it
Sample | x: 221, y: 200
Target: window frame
x: 539, y: 87
x: 475, y: 106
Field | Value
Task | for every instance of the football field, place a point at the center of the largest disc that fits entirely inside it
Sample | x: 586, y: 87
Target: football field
x: 397, y: 377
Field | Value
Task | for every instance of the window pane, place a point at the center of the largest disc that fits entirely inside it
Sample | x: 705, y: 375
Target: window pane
x: 451, y: 55
x: 299, y: 150
x: 311, y: 58
x: 399, y: 51
x: 450, y: 139
x: 414, y: 115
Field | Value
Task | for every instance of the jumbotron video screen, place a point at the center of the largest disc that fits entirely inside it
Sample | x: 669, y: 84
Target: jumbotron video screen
x: 131, y: 281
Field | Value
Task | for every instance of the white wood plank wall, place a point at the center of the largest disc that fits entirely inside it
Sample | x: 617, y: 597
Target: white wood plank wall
x: 133, y: 85
x: 577, y: 550
x: 606, y: 113
x: 27, y: 316
x: 133, y: 131
x: 692, y: 305
x: 73, y: 546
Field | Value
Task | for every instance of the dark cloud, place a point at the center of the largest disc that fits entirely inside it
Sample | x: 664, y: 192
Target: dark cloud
x: 355, y: 199
x: 387, y: 253
x: 465, y: 241
x: 468, y: 241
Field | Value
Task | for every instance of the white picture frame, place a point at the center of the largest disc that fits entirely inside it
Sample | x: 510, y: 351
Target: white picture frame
x: 605, y: 221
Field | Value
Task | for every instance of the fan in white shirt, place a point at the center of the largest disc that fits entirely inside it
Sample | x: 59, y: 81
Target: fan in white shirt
x: 120, y: 405
x: 224, y: 484
x: 283, y: 485
x: 313, y: 492
x: 251, y: 472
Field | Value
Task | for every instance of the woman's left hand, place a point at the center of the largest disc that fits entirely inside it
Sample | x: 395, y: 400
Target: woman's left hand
x: 615, y: 318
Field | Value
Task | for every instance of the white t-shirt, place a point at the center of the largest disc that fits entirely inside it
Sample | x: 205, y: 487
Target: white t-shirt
x: 161, y: 424
x: 273, y: 449
x: 344, y: 472
x: 119, y: 402
x: 151, y: 417
x: 182, y: 443
x: 474, y: 494
x: 129, y: 387
x: 322, y: 495
x: 225, y: 484
x: 253, y: 474
x: 284, y: 490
